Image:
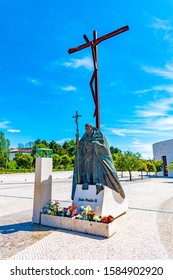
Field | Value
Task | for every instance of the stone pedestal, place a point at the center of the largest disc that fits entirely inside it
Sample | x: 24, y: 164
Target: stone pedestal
x: 95, y: 228
x: 43, y: 186
x: 107, y: 201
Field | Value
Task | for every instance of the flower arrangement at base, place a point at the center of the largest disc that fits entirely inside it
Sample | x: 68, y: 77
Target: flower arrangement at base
x: 87, y: 213
x: 90, y: 215
x: 54, y: 208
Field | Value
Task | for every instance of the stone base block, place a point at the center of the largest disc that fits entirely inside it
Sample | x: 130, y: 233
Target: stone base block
x: 107, y: 201
x: 96, y: 228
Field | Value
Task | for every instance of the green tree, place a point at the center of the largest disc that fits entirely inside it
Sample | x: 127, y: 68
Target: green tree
x: 114, y: 150
x: 57, y: 149
x: 39, y: 144
x: 70, y: 147
x: 170, y: 166
x: 158, y: 165
x: 23, y: 161
x: 2, y: 159
x: 66, y: 162
x: 4, y: 150
x: 143, y: 168
x: 12, y: 165
x: 128, y: 161
x: 119, y: 161
x: 150, y: 166
x: 132, y: 162
x: 56, y: 161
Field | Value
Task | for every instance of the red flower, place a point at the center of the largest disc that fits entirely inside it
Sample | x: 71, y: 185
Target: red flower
x: 73, y: 210
x: 111, y: 218
x: 91, y: 214
x: 105, y: 220
x: 108, y: 219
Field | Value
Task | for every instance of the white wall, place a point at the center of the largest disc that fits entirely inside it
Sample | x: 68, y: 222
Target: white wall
x: 164, y: 148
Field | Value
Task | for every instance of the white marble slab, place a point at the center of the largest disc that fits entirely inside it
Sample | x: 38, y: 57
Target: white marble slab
x: 107, y: 201
x: 95, y: 228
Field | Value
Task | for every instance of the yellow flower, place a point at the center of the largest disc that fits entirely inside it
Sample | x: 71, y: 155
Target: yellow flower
x: 52, y: 213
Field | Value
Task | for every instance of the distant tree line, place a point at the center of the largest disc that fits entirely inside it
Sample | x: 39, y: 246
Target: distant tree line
x: 129, y: 161
x: 63, y: 158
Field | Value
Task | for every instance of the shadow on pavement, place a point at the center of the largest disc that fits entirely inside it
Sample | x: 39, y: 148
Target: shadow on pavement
x: 27, y: 226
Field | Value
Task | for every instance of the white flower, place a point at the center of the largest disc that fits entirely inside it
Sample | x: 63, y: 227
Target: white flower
x: 88, y: 208
x: 79, y: 216
x: 68, y: 213
x: 97, y: 218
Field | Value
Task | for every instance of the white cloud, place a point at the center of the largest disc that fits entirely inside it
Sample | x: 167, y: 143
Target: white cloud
x: 137, y: 145
x: 166, y: 72
x: 163, y: 30
x: 14, y: 130
x: 161, y: 24
x: 119, y: 132
x: 164, y: 124
x: 112, y: 84
x: 34, y: 82
x: 4, y: 124
x: 153, y: 118
x: 85, y: 62
x: 146, y: 148
x: 157, y: 108
x: 145, y: 113
x: 141, y: 91
x: 124, y: 131
x: 164, y: 88
x: 69, y: 88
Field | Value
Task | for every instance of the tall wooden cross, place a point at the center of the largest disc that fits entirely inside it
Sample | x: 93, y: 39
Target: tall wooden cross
x: 93, y: 44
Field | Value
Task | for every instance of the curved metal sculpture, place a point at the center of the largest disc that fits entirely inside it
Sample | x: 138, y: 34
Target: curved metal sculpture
x: 94, y: 79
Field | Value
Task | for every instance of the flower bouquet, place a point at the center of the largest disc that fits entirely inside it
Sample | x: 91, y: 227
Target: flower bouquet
x: 54, y: 208
x: 87, y: 213
x: 90, y: 215
x: 86, y: 220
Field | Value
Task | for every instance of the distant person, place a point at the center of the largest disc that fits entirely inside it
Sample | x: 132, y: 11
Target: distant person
x: 94, y: 164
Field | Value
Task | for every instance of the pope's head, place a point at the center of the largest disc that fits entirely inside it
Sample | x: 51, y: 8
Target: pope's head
x: 89, y: 128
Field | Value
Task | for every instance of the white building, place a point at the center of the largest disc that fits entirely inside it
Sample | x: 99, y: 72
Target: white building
x: 164, y: 151
x: 21, y: 150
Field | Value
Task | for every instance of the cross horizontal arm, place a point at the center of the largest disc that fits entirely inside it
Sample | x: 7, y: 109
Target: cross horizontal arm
x: 79, y: 48
x: 111, y: 34
x: 98, y: 40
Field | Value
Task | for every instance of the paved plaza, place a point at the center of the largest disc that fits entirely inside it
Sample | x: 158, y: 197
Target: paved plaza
x: 145, y: 232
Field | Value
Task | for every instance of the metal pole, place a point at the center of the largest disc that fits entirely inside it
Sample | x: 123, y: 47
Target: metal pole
x: 77, y: 145
x: 96, y: 81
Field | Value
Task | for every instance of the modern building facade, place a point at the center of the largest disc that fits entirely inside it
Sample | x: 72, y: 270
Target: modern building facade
x: 164, y: 151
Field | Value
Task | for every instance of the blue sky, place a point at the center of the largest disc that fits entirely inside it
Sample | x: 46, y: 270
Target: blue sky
x: 42, y: 86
